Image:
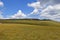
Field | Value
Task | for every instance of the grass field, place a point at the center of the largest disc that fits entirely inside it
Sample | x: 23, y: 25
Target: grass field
x: 29, y: 30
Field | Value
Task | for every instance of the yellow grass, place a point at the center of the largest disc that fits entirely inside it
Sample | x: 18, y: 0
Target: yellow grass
x: 30, y: 32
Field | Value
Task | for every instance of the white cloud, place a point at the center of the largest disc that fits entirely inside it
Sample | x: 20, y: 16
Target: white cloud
x: 35, y: 11
x: 48, y: 8
x: 51, y: 12
x: 18, y: 15
x: 1, y: 4
x: 36, y: 6
x: 57, y: 6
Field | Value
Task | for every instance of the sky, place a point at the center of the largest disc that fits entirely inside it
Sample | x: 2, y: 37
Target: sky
x: 39, y: 9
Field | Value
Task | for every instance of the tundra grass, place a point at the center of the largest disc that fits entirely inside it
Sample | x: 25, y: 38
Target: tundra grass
x: 46, y: 30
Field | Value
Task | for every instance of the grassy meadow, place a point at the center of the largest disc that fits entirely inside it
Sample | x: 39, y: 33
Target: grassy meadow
x: 29, y: 30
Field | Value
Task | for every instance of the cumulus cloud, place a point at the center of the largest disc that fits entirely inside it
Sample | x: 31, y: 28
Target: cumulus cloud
x: 57, y: 7
x: 50, y: 9
x: 45, y: 12
x: 36, y: 6
x: 18, y: 15
x: 1, y: 4
x: 35, y: 11
x: 47, y: 9
x: 51, y: 12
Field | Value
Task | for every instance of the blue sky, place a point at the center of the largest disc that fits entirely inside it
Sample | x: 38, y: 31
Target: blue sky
x: 12, y: 6
x: 42, y: 9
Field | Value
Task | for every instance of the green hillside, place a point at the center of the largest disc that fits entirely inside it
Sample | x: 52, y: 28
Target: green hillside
x: 29, y: 30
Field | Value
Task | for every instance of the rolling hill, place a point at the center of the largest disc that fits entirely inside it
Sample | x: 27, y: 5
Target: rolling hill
x: 29, y: 30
